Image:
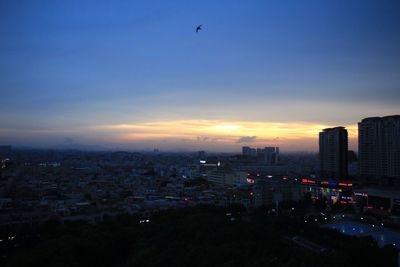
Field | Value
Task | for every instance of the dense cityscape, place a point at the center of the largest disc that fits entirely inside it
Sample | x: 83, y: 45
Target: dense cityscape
x: 357, y: 194
x: 215, y: 133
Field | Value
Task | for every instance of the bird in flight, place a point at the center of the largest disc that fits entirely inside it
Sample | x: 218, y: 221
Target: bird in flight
x: 199, y: 28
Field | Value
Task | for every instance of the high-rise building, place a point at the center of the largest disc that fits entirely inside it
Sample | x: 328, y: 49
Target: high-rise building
x: 266, y: 155
x: 246, y: 150
x: 379, y: 147
x: 249, y: 151
x: 333, y: 153
x: 271, y: 155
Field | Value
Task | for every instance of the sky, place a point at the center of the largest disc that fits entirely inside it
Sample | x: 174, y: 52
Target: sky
x: 135, y: 75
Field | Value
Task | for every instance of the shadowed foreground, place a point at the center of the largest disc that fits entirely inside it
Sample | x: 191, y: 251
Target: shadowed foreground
x: 201, y: 236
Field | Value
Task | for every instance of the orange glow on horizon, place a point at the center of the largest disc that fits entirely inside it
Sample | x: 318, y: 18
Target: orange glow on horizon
x: 210, y: 135
x: 220, y: 131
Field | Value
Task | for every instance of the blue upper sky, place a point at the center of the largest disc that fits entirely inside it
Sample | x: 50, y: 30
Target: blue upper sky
x: 67, y: 65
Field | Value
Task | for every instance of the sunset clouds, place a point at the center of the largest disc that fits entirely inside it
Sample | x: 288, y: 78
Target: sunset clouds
x: 135, y: 75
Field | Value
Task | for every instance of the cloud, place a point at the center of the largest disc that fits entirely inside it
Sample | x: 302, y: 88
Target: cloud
x: 213, y: 135
x: 203, y: 138
x: 246, y: 139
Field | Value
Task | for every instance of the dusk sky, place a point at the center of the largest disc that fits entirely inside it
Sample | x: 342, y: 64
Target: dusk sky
x: 135, y: 75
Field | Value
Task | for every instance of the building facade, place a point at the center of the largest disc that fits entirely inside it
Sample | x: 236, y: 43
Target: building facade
x: 333, y: 145
x: 379, y: 148
x: 267, y: 155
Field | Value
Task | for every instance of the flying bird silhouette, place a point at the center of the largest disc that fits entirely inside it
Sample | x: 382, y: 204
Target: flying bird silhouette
x: 199, y: 28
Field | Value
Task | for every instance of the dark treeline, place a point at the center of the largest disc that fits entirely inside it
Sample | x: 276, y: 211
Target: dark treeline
x: 200, y: 236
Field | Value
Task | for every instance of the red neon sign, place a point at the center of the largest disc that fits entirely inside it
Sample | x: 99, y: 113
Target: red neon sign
x: 344, y: 184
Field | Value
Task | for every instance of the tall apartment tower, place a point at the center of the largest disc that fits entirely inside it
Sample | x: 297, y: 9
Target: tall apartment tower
x: 268, y: 155
x: 271, y: 155
x: 379, y: 147
x: 333, y: 153
x: 248, y: 151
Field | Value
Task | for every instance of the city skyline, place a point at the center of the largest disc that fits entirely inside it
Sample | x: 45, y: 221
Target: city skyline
x: 199, y: 135
x: 136, y: 75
